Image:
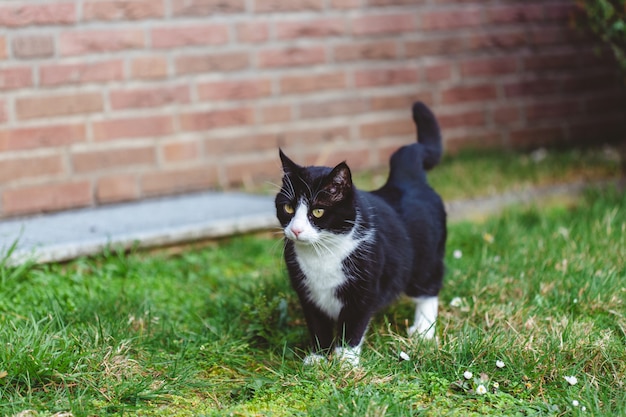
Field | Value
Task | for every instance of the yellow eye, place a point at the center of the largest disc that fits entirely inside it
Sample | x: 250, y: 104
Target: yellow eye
x: 318, y: 212
x: 288, y: 209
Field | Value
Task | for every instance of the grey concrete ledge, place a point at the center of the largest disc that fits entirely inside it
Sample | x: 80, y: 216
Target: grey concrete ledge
x: 182, y: 219
x: 150, y: 223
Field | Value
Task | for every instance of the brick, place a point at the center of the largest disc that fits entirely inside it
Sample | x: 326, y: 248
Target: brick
x: 149, y: 67
x: 447, y: 45
x: 383, y: 24
x: 438, y: 72
x: 331, y: 108
x: 188, y: 35
x: 235, y: 89
x: 345, y: 4
x: 33, y: 46
x: 457, y: 18
x: 178, y: 181
x: 253, y: 32
x: 49, y: 197
x: 273, y: 6
x: 399, y: 101
x: 98, y: 41
x: 387, y: 128
x: 136, y: 98
x: 559, y: 110
x: 312, y: 82
x: 385, y: 3
x: 207, y: 120
x: 3, y: 47
x: 463, y: 94
x: 51, y: 105
x: 194, y: 8
x: 56, y: 13
x: 528, y: 137
x: 41, y: 137
x: 371, y: 50
x: 383, y: 77
x: 15, y: 78
x: 292, y: 56
x: 92, y: 161
x: 181, y: 151
x: 552, y: 61
x: 530, y: 87
x: 3, y: 112
x: 561, y: 11
x: 310, y: 28
x: 515, y: 13
x: 123, y: 10
x: 80, y: 73
x: 18, y: 168
x: 253, y: 172
x: 506, y: 115
x: 499, y: 40
x: 230, y: 61
x: 482, y: 67
x: 133, y: 127
x: 467, y: 118
x: 117, y: 188
x: 240, y: 145
x: 311, y: 137
x: 275, y: 113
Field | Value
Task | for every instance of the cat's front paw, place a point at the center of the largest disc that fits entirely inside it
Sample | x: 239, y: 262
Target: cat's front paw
x: 313, y: 359
x: 348, y: 355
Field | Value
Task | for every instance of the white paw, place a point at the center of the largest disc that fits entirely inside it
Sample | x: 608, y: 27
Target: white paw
x: 348, y: 355
x: 313, y: 359
x: 426, y: 333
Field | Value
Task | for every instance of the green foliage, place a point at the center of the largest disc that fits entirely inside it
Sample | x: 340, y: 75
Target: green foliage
x: 607, y: 20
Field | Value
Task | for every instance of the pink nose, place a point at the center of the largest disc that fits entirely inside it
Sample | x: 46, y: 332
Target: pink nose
x: 296, y: 231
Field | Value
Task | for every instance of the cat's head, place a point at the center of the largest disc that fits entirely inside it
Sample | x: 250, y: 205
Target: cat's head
x: 315, y: 201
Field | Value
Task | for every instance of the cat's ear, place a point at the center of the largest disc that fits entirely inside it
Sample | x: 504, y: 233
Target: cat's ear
x: 289, y: 166
x: 339, y: 183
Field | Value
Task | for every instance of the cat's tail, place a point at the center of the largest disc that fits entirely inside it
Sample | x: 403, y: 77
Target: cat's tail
x: 428, y: 134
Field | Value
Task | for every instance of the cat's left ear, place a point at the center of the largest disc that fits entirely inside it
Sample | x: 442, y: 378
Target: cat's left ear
x: 288, y: 165
x: 339, y: 184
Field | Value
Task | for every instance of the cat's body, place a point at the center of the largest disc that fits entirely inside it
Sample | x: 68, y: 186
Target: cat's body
x: 350, y: 253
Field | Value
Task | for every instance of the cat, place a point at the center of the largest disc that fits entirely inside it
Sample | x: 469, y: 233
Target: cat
x: 350, y: 253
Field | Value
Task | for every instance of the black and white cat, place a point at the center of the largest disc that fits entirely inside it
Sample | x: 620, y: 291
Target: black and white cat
x: 349, y: 252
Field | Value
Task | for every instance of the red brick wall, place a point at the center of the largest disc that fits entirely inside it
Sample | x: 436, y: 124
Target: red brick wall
x: 105, y: 100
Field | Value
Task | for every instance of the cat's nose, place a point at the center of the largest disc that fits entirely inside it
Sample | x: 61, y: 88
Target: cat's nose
x: 296, y: 231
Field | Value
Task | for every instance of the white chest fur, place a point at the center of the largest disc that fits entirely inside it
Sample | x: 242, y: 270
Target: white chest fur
x: 323, y: 269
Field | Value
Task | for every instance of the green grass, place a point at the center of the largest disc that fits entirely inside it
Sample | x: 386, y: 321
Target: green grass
x: 471, y: 174
x: 218, y: 331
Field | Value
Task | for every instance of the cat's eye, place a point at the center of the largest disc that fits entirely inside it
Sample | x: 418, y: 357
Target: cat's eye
x: 317, y: 213
x: 288, y: 209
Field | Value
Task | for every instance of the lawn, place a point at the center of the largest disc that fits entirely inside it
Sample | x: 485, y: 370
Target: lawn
x: 532, y: 296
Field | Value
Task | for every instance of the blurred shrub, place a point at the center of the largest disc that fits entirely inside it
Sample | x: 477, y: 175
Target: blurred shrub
x: 607, y: 20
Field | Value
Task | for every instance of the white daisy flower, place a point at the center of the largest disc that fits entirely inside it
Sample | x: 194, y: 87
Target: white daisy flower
x: 495, y: 385
x: 467, y: 375
x: 404, y: 356
x: 457, y: 254
x: 500, y: 364
x: 575, y: 403
x: 481, y: 390
x: 456, y: 302
x: 572, y: 380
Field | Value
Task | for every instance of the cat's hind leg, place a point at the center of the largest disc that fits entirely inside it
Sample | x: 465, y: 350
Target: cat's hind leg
x: 426, y: 309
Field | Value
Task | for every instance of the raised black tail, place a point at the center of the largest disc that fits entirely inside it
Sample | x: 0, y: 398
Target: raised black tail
x: 428, y: 134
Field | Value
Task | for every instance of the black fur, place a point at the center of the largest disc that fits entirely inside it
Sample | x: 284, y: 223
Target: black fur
x: 405, y: 221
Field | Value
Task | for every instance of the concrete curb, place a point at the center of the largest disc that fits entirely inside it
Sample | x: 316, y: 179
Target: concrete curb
x: 182, y: 219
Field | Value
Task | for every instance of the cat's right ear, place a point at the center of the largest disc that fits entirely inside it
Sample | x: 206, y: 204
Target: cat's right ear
x: 289, y: 166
